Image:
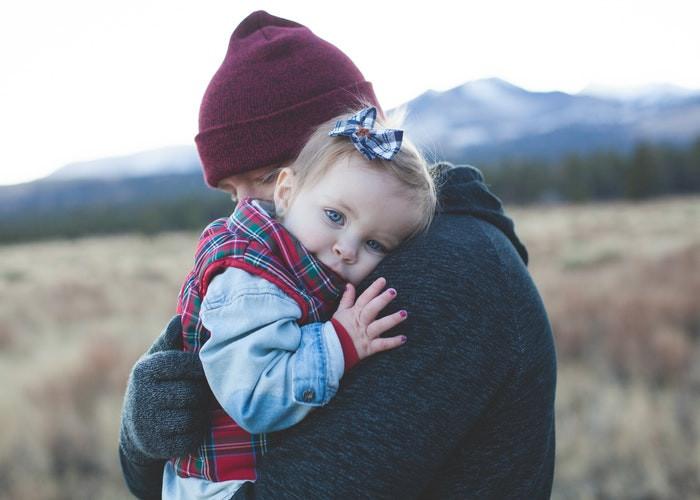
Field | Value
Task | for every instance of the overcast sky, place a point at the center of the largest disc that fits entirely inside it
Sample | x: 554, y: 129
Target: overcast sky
x: 89, y: 79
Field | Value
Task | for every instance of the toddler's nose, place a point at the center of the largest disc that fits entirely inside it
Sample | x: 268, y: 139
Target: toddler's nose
x: 346, y: 252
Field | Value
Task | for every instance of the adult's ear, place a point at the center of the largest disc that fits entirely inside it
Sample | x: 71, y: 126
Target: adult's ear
x: 284, y: 190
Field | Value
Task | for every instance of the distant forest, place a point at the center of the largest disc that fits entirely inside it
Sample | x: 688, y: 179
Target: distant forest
x: 648, y: 171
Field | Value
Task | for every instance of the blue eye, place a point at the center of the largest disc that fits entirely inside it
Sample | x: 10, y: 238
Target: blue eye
x: 334, y: 216
x: 376, y: 246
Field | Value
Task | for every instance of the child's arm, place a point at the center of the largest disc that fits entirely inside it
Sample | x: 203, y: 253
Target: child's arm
x: 266, y: 371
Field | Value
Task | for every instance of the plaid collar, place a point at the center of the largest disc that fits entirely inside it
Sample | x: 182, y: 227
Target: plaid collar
x: 254, y: 219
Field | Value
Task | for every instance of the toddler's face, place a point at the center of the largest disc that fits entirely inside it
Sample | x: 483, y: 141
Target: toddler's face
x: 350, y: 219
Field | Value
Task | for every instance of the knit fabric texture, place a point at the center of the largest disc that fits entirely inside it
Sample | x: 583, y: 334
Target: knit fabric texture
x: 152, y: 407
x: 277, y: 82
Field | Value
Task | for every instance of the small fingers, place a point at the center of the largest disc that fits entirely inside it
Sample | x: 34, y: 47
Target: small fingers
x: 372, y: 291
x: 348, y: 298
x: 384, y: 344
x: 376, y: 328
x: 374, y: 307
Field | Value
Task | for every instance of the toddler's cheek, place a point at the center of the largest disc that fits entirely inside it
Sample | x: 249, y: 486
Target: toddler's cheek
x: 361, y: 274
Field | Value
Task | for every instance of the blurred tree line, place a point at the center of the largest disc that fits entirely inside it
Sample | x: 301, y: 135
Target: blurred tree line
x: 151, y: 205
x: 148, y: 217
x: 646, y: 172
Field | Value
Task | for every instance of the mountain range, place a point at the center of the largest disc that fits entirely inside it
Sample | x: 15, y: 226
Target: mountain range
x: 487, y: 121
x: 484, y: 122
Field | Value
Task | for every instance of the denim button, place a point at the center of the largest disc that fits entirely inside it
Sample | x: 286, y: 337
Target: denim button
x: 308, y: 395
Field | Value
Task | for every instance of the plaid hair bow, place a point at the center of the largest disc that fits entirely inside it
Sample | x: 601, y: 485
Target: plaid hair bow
x: 370, y: 142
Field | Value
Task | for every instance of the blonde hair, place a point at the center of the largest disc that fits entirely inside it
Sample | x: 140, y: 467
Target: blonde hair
x: 408, y: 166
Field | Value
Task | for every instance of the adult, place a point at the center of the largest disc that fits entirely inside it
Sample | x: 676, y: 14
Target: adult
x: 464, y: 409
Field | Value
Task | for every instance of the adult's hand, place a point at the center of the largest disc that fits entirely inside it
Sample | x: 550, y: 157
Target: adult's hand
x: 164, y: 413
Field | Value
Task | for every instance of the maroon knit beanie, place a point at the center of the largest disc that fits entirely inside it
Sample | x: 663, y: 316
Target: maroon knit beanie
x: 277, y: 82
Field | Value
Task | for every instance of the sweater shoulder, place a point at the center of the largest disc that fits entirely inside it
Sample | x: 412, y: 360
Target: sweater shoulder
x: 477, y: 278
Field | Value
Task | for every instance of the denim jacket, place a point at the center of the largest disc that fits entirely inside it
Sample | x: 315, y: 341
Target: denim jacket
x: 266, y: 371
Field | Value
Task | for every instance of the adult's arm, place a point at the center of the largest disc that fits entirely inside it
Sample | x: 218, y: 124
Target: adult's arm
x: 400, y: 417
x: 162, y: 415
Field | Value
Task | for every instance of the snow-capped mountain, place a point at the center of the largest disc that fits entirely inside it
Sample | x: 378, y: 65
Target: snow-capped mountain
x: 487, y: 120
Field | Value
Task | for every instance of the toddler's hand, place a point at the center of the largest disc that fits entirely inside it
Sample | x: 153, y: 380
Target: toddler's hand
x: 358, y: 318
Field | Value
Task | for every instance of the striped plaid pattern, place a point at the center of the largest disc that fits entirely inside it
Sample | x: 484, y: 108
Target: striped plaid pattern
x: 371, y: 142
x: 251, y: 240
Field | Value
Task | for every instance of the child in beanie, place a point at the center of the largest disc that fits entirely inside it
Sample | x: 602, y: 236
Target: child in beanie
x: 261, y: 304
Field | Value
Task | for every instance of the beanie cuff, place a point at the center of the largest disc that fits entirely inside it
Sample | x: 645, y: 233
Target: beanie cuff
x: 275, y: 138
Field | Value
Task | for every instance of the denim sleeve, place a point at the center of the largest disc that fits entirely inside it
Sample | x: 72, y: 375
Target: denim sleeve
x: 266, y: 370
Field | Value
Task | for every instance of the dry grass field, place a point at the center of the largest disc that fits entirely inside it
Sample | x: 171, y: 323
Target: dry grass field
x: 621, y: 283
